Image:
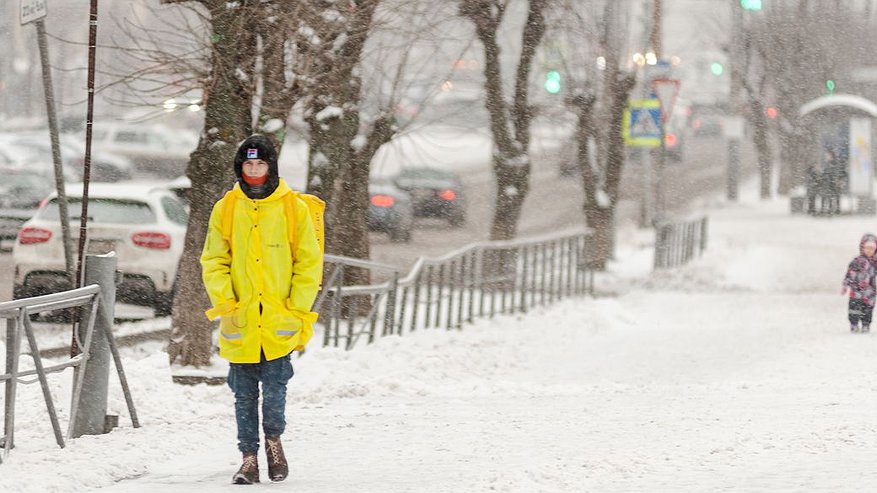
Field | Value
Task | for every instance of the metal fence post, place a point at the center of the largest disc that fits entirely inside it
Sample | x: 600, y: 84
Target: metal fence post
x: 461, y: 293
x: 92, y: 415
x: 390, y: 313
x: 703, y: 230
x: 13, y: 348
x: 416, y: 302
x: 428, y: 309
x: 524, y: 251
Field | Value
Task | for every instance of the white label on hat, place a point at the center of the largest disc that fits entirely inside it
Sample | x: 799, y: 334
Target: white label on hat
x: 252, y: 153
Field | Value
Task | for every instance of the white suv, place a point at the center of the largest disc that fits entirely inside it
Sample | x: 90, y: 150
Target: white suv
x: 144, y: 224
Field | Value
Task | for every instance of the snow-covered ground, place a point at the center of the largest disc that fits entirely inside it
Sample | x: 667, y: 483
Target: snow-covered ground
x: 736, y: 372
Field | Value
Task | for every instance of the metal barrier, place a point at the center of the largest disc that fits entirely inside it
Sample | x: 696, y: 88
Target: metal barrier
x: 479, y: 280
x: 18, y: 314
x: 677, y: 242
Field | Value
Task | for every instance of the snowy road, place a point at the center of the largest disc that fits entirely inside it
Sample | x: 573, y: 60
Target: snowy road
x: 734, y: 373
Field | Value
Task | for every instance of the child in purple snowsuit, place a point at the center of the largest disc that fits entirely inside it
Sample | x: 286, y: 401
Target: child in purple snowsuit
x: 860, y: 285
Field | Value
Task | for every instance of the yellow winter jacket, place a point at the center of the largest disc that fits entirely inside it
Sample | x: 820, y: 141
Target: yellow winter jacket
x: 263, y: 298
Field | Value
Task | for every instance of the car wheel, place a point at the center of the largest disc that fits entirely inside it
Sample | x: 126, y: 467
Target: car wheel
x: 164, y: 304
x: 399, y: 235
x: 457, y: 220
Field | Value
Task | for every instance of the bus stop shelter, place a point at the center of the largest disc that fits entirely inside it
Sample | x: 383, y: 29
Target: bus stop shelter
x: 840, y: 163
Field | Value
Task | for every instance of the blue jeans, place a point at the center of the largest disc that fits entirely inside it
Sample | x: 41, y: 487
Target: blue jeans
x: 243, y: 379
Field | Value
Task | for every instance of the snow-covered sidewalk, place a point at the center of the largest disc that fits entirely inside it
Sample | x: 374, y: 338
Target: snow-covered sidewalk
x: 735, y: 372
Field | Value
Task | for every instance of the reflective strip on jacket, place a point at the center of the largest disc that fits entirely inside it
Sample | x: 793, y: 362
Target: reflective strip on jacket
x: 263, y: 299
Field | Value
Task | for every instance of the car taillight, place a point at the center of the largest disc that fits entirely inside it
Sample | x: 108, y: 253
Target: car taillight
x: 31, y: 235
x: 382, y: 201
x: 670, y: 140
x: 148, y: 239
x: 448, y: 195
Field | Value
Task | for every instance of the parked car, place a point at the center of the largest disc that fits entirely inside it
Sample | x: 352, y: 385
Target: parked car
x: 144, y: 224
x: 154, y: 149
x: 181, y: 186
x: 15, y: 155
x: 390, y: 210
x: 104, y: 166
x: 707, y: 121
x: 435, y: 192
x: 20, y: 194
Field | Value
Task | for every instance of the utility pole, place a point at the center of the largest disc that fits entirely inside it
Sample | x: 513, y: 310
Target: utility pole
x: 656, y: 36
x: 656, y: 42
x: 733, y: 126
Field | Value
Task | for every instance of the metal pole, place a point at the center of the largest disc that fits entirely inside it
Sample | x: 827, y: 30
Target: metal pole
x: 91, y: 418
x: 645, y: 212
x: 9, y: 399
x: 86, y: 172
x: 733, y: 164
x: 416, y: 303
x: 390, y: 313
x: 48, y: 89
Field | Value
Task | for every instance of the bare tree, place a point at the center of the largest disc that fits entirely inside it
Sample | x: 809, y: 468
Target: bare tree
x: 227, y: 121
x: 509, y: 123
x: 753, y: 78
x: 606, y: 98
x: 331, y: 49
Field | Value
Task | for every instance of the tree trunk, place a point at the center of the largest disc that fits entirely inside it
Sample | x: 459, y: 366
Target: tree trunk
x: 227, y: 122
x: 511, y: 162
x: 762, y: 147
x: 600, y: 220
x: 598, y: 216
x: 795, y: 159
x: 601, y: 193
x: 620, y: 93
x: 279, y: 95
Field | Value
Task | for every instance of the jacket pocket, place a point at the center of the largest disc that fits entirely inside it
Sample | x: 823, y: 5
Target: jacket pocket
x: 231, y: 327
x: 283, y: 323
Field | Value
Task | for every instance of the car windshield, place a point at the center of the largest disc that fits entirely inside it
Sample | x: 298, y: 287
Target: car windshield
x: 104, y: 211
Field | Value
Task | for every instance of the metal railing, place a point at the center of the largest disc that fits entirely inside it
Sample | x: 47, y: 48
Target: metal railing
x: 676, y: 243
x: 479, y: 280
x: 18, y: 322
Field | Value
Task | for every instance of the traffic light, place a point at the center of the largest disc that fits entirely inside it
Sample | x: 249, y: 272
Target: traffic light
x: 830, y: 85
x: 717, y: 68
x: 552, y: 81
x: 754, y: 5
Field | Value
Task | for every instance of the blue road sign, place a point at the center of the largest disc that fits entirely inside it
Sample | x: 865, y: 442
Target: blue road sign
x: 642, y: 123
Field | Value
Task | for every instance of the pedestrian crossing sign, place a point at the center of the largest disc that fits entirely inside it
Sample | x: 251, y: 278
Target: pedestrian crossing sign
x: 641, y: 125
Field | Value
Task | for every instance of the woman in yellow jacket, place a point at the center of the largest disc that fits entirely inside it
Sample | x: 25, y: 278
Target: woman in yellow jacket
x: 263, y: 292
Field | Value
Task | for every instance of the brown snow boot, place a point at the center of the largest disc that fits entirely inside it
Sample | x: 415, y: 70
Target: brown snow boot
x: 278, y: 469
x: 249, y: 471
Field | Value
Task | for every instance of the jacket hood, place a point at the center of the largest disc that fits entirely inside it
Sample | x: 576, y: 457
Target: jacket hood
x: 865, y: 239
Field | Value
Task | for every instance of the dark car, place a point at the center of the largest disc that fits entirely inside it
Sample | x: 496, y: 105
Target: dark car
x: 21, y: 192
x: 390, y: 210
x: 435, y: 192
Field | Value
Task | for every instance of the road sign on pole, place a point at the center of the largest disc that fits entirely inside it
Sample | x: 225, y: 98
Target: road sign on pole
x: 666, y: 91
x: 32, y: 10
x: 642, y: 126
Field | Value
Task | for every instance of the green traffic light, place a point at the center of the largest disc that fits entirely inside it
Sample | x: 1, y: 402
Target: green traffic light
x: 717, y: 68
x: 830, y: 85
x: 552, y: 81
x: 754, y: 5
